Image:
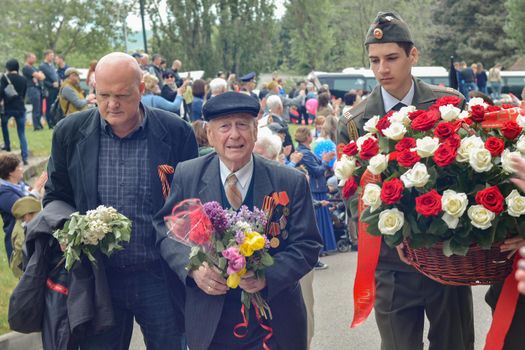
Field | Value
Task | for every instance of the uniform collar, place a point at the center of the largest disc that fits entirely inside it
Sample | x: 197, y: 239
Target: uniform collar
x: 390, y: 101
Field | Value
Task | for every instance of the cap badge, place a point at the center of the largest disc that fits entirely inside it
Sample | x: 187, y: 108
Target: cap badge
x: 378, y: 33
x: 389, y: 18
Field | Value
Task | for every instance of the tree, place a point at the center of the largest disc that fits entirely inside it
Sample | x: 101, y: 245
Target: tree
x: 470, y: 30
x: 515, y: 27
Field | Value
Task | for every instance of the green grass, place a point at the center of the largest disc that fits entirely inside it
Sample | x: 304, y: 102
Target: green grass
x: 7, y: 284
x: 39, y: 142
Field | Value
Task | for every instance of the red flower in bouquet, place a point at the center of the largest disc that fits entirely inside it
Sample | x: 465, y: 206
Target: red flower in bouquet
x: 429, y: 204
x: 415, y: 114
x: 495, y: 146
x: 454, y: 141
x: 349, y: 188
x: 405, y: 143
x: 444, y: 130
x: 477, y: 113
x: 201, y: 228
x: 392, y: 191
x: 350, y: 149
x: 445, y: 154
x: 511, y: 129
x: 447, y: 100
x: 407, y: 158
x: 369, y: 148
x: 383, y: 123
x: 491, y: 108
x: 426, y: 121
x: 491, y: 198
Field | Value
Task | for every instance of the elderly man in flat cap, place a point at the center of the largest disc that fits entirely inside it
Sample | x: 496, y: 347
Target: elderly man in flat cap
x: 212, y: 309
x: 403, y: 294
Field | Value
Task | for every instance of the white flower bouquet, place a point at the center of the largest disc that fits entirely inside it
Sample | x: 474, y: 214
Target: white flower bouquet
x: 101, y: 229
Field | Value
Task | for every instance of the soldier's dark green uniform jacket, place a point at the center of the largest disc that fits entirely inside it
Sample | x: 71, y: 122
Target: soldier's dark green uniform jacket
x: 403, y: 295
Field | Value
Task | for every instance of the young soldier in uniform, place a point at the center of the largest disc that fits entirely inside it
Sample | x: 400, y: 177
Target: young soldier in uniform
x: 403, y: 295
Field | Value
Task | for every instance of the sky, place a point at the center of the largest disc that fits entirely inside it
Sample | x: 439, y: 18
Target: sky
x: 135, y: 24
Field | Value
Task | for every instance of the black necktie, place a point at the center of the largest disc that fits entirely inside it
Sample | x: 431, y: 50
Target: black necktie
x: 398, y: 106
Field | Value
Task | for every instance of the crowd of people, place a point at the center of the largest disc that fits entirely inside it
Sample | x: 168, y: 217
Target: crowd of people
x: 131, y: 123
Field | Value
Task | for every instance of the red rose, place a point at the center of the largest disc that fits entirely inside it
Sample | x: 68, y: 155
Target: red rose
x: 350, y: 149
x: 382, y: 124
x: 392, y: 191
x: 405, y: 143
x: 445, y: 154
x: 444, y: 130
x: 511, y: 129
x: 491, y: 198
x: 407, y: 158
x: 429, y: 204
x: 426, y: 121
x: 507, y: 106
x: 369, y: 148
x: 454, y: 141
x: 349, y: 188
x: 477, y: 113
x: 493, y: 108
x: 415, y: 114
x: 495, y: 146
x: 447, y: 100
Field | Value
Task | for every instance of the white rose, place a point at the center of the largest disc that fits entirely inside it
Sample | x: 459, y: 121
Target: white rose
x: 463, y: 115
x: 520, y: 145
x: 344, y: 168
x: 396, y: 131
x: 426, y: 146
x: 390, y: 221
x: 506, y: 161
x: 449, y: 112
x: 521, y: 120
x: 370, y: 125
x: 417, y: 176
x: 454, y: 205
x: 378, y: 164
x: 480, y: 160
x: 372, y: 196
x: 476, y: 101
x: 480, y: 216
x: 401, y: 116
x: 468, y: 144
x: 362, y: 139
x: 515, y: 204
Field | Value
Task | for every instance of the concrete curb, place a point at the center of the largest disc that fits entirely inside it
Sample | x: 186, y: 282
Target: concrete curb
x: 20, y: 341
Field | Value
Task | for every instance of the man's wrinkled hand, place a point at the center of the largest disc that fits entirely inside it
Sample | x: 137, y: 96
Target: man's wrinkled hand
x: 401, y: 254
x: 209, y: 280
x: 249, y: 283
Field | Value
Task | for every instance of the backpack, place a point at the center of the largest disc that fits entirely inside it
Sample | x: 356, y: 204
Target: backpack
x: 55, y: 111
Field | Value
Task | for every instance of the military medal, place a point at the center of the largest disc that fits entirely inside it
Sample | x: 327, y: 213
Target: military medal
x: 274, y: 242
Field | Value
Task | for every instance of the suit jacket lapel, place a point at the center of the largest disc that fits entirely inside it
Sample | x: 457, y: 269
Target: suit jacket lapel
x: 423, y: 95
x: 262, y: 185
x: 159, y: 152
x: 376, y: 108
x: 210, y: 184
x: 87, y: 149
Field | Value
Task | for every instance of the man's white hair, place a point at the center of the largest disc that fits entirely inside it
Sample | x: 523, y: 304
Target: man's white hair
x: 218, y: 86
x: 269, y: 142
x: 274, y: 102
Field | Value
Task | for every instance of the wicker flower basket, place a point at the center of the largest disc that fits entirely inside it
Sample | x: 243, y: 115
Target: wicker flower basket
x: 478, y: 267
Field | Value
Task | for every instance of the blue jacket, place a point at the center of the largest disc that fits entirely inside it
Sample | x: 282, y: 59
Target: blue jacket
x: 316, y: 169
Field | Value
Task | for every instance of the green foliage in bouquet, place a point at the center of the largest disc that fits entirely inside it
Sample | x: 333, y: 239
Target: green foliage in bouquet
x: 101, y: 229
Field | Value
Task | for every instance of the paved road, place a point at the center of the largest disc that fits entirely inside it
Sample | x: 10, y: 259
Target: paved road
x: 334, y: 310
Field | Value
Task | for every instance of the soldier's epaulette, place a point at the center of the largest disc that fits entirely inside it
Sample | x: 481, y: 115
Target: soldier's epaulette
x: 354, y: 112
x: 445, y: 90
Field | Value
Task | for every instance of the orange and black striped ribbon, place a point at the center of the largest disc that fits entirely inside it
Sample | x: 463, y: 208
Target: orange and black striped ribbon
x: 164, y: 170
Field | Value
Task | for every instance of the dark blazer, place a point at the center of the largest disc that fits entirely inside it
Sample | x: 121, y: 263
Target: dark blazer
x: 316, y: 169
x: 200, y: 178
x: 73, y: 165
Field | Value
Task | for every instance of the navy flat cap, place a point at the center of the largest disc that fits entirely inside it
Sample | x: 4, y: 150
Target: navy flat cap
x: 247, y: 77
x: 229, y: 103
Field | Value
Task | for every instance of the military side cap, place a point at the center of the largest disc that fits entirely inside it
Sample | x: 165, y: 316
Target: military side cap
x: 26, y: 205
x: 388, y: 27
x: 246, y: 78
x: 229, y: 103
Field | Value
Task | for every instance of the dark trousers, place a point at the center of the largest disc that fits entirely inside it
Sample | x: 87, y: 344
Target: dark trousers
x: 20, y: 119
x: 403, y: 298
x: 50, y: 98
x: 143, y: 295
x: 34, y: 95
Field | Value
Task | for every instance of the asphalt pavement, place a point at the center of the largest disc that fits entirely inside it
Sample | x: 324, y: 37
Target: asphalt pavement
x: 334, y: 309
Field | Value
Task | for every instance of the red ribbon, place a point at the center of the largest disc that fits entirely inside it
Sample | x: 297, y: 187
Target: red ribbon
x: 57, y: 287
x: 367, y: 258
x: 504, y: 313
x: 164, y: 170
x: 244, y: 324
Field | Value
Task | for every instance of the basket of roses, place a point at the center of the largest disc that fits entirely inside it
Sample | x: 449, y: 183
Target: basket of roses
x: 438, y: 180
